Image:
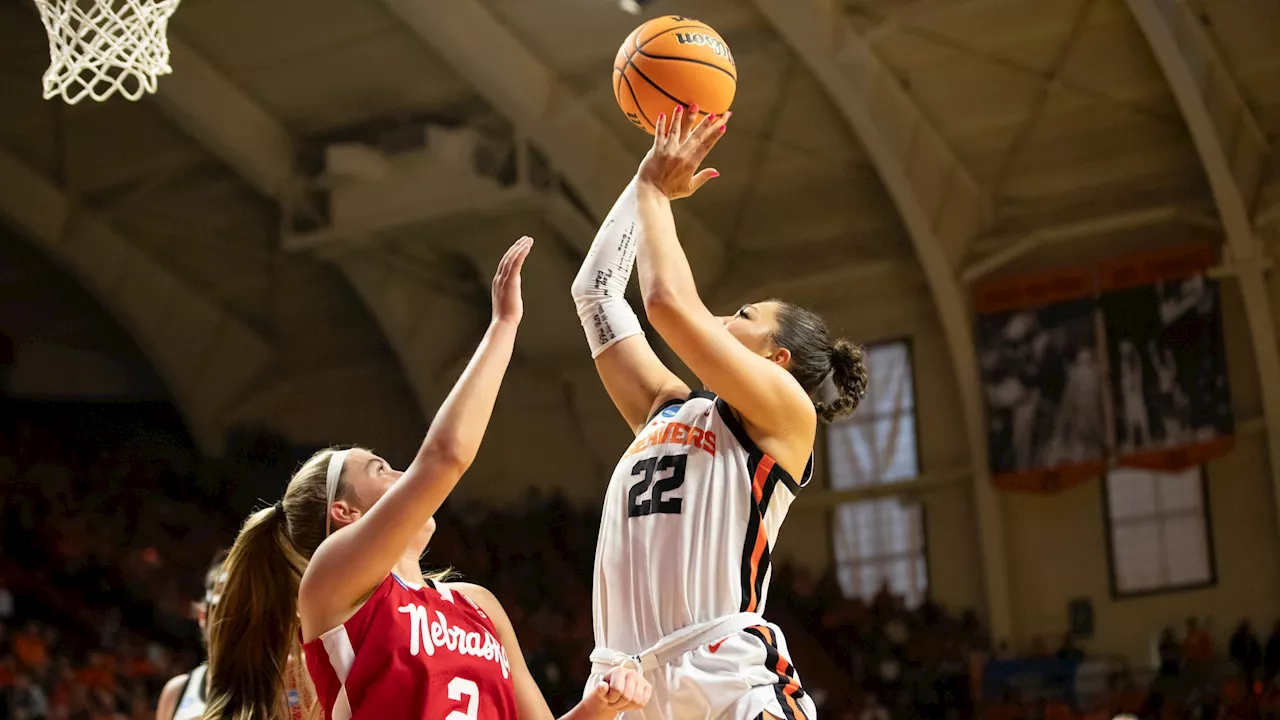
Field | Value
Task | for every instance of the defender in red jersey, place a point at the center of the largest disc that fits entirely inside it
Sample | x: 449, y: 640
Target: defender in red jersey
x: 335, y: 565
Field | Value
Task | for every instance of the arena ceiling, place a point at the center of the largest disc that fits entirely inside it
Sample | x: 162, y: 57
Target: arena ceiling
x: 299, y: 228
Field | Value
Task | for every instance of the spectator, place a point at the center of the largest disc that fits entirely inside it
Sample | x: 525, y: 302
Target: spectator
x: 1170, y: 653
x: 1197, y: 646
x: 28, y: 700
x: 1246, y: 651
x: 31, y: 650
x: 1069, y: 650
x: 1271, y: 658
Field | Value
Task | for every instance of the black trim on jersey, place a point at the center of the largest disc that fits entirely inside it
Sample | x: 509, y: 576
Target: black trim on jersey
x: 772, y: 658
x: 181, y: 695
x: 755, y: 517
x: 202, y: 692
x: 680, y: 401
x: 740, y: 434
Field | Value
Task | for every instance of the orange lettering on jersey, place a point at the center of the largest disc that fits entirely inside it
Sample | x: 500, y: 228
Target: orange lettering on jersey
x: 679, y: 433
x: 674, y: 433
x: 664, y: 435
x: 695, y: 437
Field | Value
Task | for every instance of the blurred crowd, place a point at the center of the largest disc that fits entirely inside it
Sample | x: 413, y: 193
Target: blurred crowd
x: 110, y: 519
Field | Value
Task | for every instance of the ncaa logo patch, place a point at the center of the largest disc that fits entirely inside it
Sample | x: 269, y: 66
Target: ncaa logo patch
x: 670, y: 412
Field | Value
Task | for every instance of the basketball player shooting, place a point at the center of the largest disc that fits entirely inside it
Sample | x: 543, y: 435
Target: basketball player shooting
x: 335, y: 564
x: 696, y: 502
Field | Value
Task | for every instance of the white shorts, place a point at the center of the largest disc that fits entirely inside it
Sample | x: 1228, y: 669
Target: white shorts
x: 737, y: 677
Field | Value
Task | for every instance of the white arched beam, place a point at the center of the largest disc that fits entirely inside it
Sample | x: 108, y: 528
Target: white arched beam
x: 254, y: 144
x: 204, y: 354
x: 943, y: 210
x: 226, y: 122
x: 1233, y: 152
x: 433, y: 333
x: 524, y: 90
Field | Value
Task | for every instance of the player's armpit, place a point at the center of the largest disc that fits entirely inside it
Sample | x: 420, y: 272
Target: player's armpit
x: 636, y: 380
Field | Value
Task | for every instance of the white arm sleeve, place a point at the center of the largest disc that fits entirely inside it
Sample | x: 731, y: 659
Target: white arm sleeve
x: 601, y: 283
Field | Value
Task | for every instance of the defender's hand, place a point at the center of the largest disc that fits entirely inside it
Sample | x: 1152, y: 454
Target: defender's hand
x: 620, y: 690
x: 508, y: 304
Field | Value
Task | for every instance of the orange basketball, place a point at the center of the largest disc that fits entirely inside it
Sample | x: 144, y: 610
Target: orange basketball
x: 671, y: 61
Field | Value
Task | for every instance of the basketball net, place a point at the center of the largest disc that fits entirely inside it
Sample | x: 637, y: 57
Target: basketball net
x: 98, y: 48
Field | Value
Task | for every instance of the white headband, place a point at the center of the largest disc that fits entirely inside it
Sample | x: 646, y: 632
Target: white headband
x: 336, y: 461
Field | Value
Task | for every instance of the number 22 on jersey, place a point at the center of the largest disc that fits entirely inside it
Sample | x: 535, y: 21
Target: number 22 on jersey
x: 664, y: 475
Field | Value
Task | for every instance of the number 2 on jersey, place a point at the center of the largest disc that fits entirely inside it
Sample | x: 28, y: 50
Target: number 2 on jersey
x: 458, y: 688
x: 657, y: 503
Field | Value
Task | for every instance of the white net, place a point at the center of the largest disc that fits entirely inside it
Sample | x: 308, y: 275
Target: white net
x: 98, y: 48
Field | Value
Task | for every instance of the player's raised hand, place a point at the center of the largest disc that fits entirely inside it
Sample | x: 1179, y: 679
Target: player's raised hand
x: 679, y: 147
x: 508, y: 303
x: 621, y: 690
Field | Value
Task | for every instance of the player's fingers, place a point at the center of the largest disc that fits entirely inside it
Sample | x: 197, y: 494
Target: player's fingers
x: 692, y: 123
x: 709, y: 140
x: 660, y: 131
x: 677, y: 123
x: 632, y: 688
x: 705, y: 122
x: 518, y: 253
x: 701, y: 179
x: 703, y: 144
x: 617, y: 684
x: 625, y: 685
x: 713, y: 128
x: 508, y: 257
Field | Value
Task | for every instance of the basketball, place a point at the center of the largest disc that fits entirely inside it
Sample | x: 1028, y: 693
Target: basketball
x: 671, y: 61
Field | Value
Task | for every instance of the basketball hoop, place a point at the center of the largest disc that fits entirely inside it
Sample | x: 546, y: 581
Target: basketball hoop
x: 98, y: 48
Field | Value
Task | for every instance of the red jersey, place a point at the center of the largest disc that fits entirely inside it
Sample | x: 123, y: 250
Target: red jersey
x: 413, y: 652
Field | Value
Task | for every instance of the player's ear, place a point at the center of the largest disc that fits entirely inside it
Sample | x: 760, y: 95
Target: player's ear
x: 343, y: 513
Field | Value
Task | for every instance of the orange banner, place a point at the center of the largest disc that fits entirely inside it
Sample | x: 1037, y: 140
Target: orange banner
x: 1050, y: 480
x: 1028, y: 291
x: 1147, y: 268
x: 1180, y: 457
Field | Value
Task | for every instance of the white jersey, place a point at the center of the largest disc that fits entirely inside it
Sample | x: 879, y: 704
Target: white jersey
x: 191, y: 704
x: 690, y: 517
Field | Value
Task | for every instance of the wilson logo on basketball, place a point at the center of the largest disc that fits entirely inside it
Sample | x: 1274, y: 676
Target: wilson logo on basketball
x: 428, y: 635
x: 715, y: 44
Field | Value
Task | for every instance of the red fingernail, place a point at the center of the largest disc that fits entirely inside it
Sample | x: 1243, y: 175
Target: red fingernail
x: 662, y: 116
x: 723, y: 128
x: 693, y: 108
x: 715, y: 173
x: 679, y: 109
x: 711, y: 118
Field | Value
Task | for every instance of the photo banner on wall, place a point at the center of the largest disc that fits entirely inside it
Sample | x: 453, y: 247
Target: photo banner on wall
x: 1169, y: 391
x: 1037, y: 341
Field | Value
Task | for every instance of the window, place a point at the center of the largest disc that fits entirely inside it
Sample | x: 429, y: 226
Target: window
x: 882, y: 539
x: 1158, y: 531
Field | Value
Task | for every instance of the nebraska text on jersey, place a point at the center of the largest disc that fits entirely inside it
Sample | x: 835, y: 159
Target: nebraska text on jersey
x: 430, y: 633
